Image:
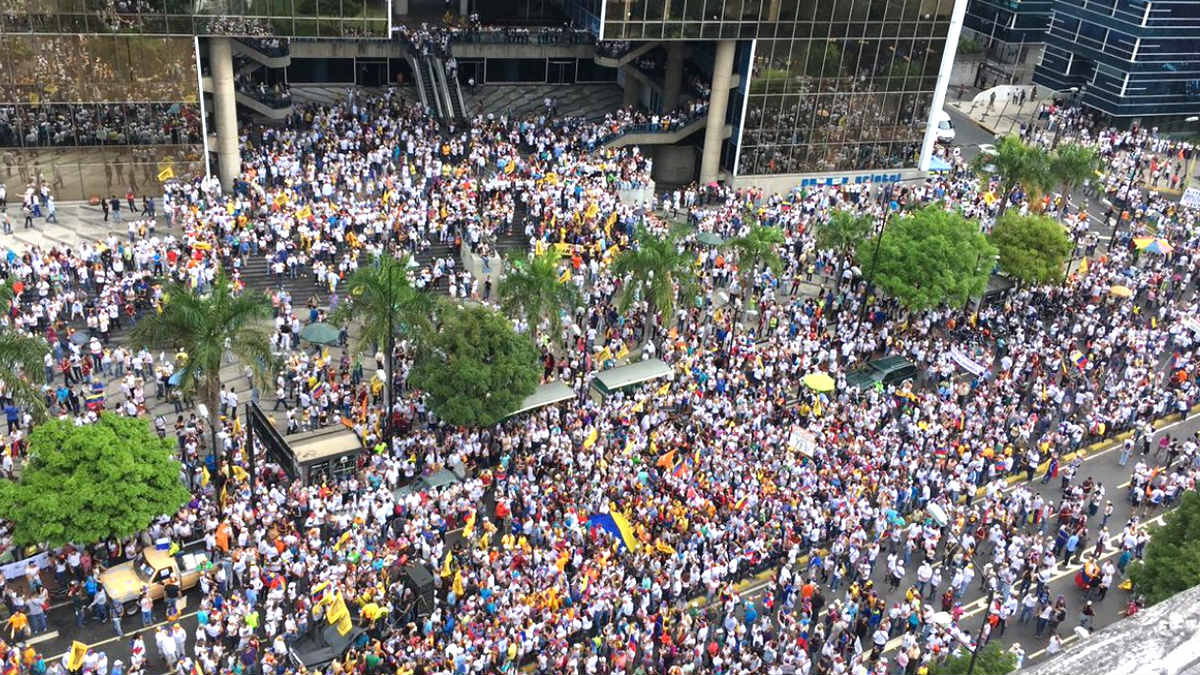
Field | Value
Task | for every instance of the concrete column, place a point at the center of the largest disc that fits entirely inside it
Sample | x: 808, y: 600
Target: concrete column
x: 773, y: 10
x: 674, y: 76
x: 718, y: 101
x: 229, y: 158
x: 943, y: 82
x: 464, y: 7
x: 400, y: 7
x: 633, y: 91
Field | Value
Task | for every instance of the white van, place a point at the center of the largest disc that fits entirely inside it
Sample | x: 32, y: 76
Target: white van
x: 945, y: 128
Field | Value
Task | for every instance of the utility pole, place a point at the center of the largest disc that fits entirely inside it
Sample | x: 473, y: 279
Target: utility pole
x: 979, y: 638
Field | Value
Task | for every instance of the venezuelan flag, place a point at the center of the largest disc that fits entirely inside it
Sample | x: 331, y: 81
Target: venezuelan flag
x: 617, y: 525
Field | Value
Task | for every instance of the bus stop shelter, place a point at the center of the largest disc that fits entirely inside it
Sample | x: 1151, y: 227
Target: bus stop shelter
x: 613, y: 380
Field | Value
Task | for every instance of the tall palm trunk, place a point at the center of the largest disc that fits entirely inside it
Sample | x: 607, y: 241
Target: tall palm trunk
x: 212, y: 398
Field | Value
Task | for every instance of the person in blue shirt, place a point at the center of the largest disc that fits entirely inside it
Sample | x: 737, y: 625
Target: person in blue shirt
x: 13, y: 414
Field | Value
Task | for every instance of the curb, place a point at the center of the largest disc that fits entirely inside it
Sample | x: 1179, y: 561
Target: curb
x: 1098, y: 447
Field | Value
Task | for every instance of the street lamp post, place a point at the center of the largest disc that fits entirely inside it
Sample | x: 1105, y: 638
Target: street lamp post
x: 883, y: 220
x: 979, y: 638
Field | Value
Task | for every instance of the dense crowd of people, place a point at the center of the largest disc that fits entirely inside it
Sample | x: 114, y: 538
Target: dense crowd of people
x: 729, y: 468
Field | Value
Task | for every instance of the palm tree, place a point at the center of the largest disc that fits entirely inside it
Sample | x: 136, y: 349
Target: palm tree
x: 21, y: 361
x: 1072, y: 165
x: 759, y: 246
x: 654, y: 270
x: 843, y: 232
x: 531, y: 290
x: 1017, y: 163
x: 384, y: 298
x: 204, y: 325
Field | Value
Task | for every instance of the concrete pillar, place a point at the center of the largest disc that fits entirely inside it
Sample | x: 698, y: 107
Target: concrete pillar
x: 943, y: 82
x: 229, y: 158
x: 773, y: 10
x: 400, y: 7
x: 674, y: 76
x: 464, y: 7
x: 633, y: 91
x: 718, y: 101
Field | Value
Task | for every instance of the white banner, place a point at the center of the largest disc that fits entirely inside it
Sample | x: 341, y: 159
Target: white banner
x: 17, y: 569
x: 967, y: 363
x: 1191, y: 197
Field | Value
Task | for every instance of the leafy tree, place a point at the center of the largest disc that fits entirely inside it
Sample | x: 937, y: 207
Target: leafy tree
x: 1172, y: 562
x: 758, y: 247
x: 1032, y: 248
x: 1071, y: 165
x: 993, y: 660
x: 475, y: 369
x: 21, y: 354
x: 381, y: 295
x: 1016, y: 163
x: 202, y: 324
x: 90, y: 483
x: 843, y: 232
x: 531, y: 289
x: 931, y: 256
x: 655, y: 270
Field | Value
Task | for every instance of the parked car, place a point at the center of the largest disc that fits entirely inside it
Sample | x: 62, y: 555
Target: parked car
x: 888, y: 370
x: 945, y: 127
x: 151, y: 569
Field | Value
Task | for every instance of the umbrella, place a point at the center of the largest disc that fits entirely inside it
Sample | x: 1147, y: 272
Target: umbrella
x: 710, y: 239
x: 79, y: 338
x: 942, y: 619
x: 319, y: 333
x: 1120, y: 291
x: 175, y: 378
x: 819, y: 382
x: 1153, y: 244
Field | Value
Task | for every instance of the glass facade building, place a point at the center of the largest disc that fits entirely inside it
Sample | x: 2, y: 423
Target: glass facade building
x: 1127, y: 58
x: 830, y: 85
x: 279, y: 18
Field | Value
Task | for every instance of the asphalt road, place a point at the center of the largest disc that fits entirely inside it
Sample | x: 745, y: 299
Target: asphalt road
x: 1103, y: 467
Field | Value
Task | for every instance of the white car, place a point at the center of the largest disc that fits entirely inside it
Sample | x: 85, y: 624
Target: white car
x: 945, y: 128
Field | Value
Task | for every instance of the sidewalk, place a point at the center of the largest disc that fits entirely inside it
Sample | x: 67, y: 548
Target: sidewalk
x: 78, y: 222
x: 999, y: 119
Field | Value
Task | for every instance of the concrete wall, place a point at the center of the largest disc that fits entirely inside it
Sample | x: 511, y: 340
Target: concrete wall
x: 674, y: 163
x: 475, y: 264
x: 346, y: 49
x: 784, y: 183
x: 472, y: 50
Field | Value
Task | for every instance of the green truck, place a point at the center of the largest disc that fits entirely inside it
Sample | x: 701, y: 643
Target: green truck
x: 887, y: 371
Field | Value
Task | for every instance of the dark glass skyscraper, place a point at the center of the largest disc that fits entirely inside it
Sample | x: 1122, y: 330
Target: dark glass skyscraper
x: 1127, y: 58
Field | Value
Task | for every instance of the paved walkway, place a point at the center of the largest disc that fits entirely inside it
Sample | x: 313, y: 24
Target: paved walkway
x: 77, y: 222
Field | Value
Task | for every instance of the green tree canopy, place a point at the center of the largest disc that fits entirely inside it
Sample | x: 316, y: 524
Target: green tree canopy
x: 89, y: 483
x: 759, y: 246
x: 475, y: 369
x: 382, y: 297
x: 1172, y: 562
x: 931, y: 256
x: 206, y: 324
x: 1072, y: 164
x: 531, y: 290
x: 654, y: 270
x: 993, y: 660
x: 21, y: 357
x: 1032, y: 248
x: 843, y: 232
x: 1016, y: 163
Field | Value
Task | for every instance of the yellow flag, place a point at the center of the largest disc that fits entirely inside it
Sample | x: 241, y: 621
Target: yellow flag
x: 592, y: 436
x: 166, y: 174
x: 446, y: 564
x: 565, y: 276
x: 78, y: 653
x: 604, y: 355
x: 1083, y: 267
x: 664, y: 390
x: 304, y: 212
x: 623, y: 352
